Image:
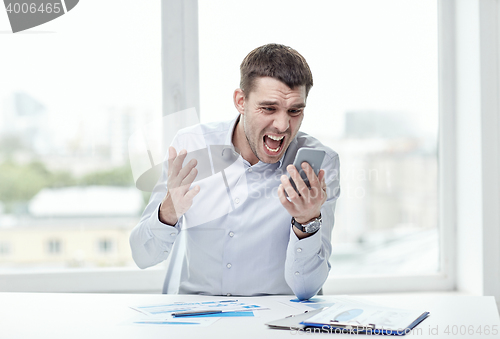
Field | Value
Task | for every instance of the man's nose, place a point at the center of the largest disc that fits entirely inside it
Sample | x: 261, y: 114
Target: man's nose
x: 281, y: 121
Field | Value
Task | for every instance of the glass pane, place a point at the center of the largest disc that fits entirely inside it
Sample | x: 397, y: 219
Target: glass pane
x: 72, y: 93
x: 374, y: 101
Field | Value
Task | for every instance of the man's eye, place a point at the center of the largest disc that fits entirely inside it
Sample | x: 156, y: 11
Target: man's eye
x: 295, y: 111
x: 268, y: 109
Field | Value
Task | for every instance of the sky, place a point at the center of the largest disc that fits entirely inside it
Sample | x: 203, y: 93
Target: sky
x: 364, y: 55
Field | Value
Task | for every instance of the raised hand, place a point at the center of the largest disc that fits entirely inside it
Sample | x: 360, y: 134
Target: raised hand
x: 179, y: 197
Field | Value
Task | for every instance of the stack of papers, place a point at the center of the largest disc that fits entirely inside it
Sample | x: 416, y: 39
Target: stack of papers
x: 350, y: 315
x: 192, y: 313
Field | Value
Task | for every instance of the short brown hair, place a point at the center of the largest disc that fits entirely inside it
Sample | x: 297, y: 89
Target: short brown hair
x: 276, y: 61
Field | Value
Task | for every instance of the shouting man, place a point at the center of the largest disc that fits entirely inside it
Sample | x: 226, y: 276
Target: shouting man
x: 247, y: 231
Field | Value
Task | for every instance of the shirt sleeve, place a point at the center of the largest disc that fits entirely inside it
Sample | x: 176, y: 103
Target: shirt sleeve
x: 151, y: 240
x: 307, y: 266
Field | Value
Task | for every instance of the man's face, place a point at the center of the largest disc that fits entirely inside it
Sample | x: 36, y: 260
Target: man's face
x: 272, y: 116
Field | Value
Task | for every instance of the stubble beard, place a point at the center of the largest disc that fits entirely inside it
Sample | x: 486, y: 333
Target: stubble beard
x: 252, y: 145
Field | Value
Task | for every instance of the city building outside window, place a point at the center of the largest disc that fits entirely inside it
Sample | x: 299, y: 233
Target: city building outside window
x: 105, y: 246
x: 5, y: 249
x: 54, y: 246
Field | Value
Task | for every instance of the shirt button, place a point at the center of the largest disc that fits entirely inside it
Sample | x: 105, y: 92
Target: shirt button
x: 297, y: 273
x: 249, y: 170
x: 299, y: 250
x: 237, y: 200
x: 229, y: 294
x: 228, y: 265
x: 231, y: 234
x: 172, y: 234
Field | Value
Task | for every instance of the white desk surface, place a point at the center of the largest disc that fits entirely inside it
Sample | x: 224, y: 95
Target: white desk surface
x: 71, y: 315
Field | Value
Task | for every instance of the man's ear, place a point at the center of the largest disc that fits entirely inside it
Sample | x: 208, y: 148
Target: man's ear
x: 239, y: 100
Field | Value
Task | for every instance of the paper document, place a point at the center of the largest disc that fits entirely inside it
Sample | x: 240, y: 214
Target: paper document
x: 223, y: 306
x: 164, y: 314
x: 366, y: 317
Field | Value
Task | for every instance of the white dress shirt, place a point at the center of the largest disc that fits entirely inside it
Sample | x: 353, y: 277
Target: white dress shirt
x: 237, y: 238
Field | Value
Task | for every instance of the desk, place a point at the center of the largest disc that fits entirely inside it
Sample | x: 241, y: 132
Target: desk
x: 70, y: 316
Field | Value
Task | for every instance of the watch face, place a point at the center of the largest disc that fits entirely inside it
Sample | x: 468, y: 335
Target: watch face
x: 312, y: 226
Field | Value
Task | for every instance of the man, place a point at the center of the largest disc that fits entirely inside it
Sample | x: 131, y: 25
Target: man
x: 243, y: 234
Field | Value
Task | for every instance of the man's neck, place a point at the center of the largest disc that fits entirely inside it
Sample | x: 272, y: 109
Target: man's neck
x: 240, y: 142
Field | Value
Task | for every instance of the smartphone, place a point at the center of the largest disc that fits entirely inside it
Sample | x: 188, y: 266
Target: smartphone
x: 313, y: 157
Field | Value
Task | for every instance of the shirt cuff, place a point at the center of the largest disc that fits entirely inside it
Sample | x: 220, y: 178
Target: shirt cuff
x: 163, y: 231
x: 306, y: 247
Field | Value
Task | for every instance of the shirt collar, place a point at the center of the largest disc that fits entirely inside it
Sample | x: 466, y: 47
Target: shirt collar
x: 229, y: 136
x: 229, y: 139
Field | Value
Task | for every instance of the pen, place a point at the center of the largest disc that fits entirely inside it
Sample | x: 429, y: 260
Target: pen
x: 193, y: 313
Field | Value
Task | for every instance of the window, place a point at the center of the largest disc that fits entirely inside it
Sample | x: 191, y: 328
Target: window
x: 214, y: 17
x: 66, y: 114
x: 374, y: 101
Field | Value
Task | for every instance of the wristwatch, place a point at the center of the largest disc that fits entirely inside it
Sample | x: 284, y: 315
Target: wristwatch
x: 311, y: 227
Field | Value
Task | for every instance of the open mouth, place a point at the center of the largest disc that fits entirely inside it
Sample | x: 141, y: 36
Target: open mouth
x: 273, y: 143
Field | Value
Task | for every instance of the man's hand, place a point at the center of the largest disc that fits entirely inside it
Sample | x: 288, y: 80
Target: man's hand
x: 307, y: 205
x: 179, y: 197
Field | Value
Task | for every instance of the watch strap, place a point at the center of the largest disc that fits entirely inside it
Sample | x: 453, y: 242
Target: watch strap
x: 297, y: 224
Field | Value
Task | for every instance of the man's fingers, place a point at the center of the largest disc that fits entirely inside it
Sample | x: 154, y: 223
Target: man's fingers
x: 297, y: 179
x: 315, y: 192
x: 189, y: 178
x: 322, y: 181
x: 188, y: 197
x: 313, y: 179
x: 181, y: 198
x: 285, y: 182
x: 172, y: 153
x: 284, y: 201
x: 321, y: 177
x: 186, y: 170
x: 177, y: 163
